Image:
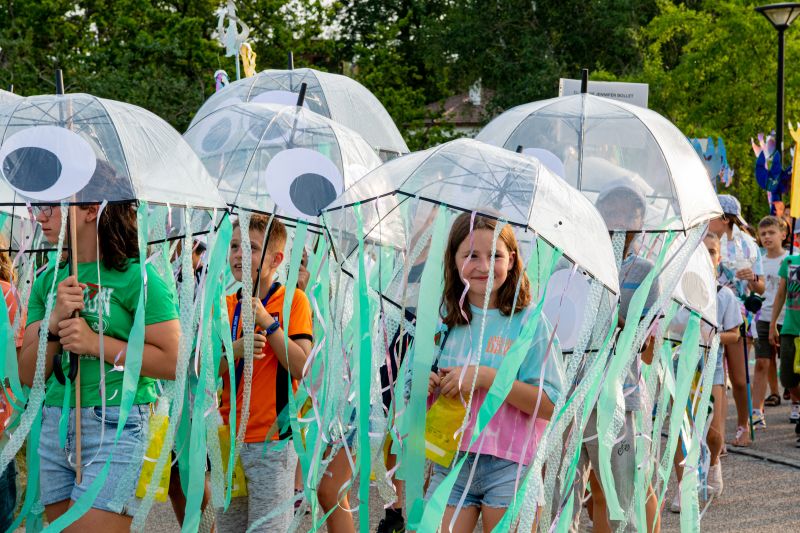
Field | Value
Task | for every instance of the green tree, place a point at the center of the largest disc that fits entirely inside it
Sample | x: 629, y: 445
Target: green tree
x: 711, y: 71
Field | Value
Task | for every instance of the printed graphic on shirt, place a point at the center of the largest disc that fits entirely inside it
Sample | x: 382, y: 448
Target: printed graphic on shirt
x: 498, y: 345
x: 793, y: 288
x: 97, y: 302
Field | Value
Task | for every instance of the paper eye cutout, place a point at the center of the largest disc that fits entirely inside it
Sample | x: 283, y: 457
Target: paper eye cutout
x: 47, y: 163
x: 302, y: 182
x: 565, y: 305
x: 548, y: 159
x: 277, y: 97
x: 695, y: 290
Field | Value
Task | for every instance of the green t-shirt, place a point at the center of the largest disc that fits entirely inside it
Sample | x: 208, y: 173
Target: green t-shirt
x: 790, y: 271
x: 117, y: 297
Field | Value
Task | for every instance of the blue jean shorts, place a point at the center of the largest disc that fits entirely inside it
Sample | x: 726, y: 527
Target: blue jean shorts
x: 719, y: 371
x: 57, y: 470
x: 493, y: 483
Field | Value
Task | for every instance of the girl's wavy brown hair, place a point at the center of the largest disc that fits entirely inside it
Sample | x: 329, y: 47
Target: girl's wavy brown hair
x: 6, y: 266
x: 454, y: 286
x: 118, y: 235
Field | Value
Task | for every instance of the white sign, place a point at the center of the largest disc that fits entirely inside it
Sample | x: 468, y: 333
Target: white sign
x: 631, y: 93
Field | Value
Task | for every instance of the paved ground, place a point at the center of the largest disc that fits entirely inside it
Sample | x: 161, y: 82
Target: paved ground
x: 762, y: 486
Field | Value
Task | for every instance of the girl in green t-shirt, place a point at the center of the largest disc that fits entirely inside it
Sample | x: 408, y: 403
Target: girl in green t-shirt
x: 105, y: 294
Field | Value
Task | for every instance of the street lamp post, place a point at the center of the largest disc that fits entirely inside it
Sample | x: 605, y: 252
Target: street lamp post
x: 781, y: 17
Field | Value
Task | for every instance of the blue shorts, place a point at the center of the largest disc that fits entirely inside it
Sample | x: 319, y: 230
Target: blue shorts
x: 493, y: 484
x: 57, y: 472
x: 719, y: 371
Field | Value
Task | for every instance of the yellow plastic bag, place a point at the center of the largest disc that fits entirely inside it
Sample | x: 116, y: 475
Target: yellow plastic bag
x: 443, y: 420
x: 797, y: 355
x: 239, y: 481
x: 155, y: 441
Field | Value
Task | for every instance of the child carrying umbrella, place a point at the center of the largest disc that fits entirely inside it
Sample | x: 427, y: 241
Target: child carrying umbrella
x: 106, y: 300
x: 267, y: 458
x: 510, y: 439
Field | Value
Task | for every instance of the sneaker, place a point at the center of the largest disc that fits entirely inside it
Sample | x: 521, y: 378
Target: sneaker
x: 714, y: 480
x: 393, y: 523
x: 759, y: 420
x: 794, y: 416
x: 675, y: 506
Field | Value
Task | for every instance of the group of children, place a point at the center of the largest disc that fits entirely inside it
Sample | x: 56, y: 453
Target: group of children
x: 486, y: 305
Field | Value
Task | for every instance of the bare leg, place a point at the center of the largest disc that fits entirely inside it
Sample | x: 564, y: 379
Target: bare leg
x: 55, y: 510
x: 734, y: 354
x: 760, y: 382
x: 716, y: 433
x: 298, y: 477
x: 465, y: 522
x: 176, y: 496
x: 335, y: 477
x: 600, y: 522
x: 772, y: 376
x: 105, y: 521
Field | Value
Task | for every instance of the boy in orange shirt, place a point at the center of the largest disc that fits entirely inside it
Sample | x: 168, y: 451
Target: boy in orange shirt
x: 269, y: 470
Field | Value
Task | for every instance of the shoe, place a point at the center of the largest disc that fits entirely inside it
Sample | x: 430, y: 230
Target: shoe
x: 742, y: 437
x: 794, y: 416
x: 797, y: 429
x: 714, y: 480
x: 773, y: 400
x: 675, y: 506
x: 786, y: 395
x: 759, y: 420
x: 393, y: 523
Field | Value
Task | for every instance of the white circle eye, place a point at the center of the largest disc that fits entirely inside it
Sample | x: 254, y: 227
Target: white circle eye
x: 302, y: 182
x: 565, y: 305
x: 695, y: 290
x: 47, y: 163
x: 277, y: 97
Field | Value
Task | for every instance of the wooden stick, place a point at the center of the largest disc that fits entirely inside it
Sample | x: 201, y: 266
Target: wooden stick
x: 73, y: 267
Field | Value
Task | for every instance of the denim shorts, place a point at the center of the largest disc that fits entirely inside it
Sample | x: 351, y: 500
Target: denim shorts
x: 719, y: 371
x: 493, y: 483
x: 57, y: 470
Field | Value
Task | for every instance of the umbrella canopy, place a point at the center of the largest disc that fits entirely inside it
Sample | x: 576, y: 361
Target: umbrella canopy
x: 468, y: 175
x: 334, y: 96
x: 279, y: 159
x: 696, y: 290
x: 7, y: 97
x: 54, y: 147
x: 605, y: 145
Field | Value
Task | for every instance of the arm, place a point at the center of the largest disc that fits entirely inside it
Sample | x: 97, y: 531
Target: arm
x: 730, y: 336
x: 27, y: 355
x: 522, y: 395
x: 159, y: 356
x: 292, y: 359
x: 777, y: 307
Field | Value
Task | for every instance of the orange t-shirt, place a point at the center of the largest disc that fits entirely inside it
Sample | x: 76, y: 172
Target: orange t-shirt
x: 11, y: 304
x: 270, y: 386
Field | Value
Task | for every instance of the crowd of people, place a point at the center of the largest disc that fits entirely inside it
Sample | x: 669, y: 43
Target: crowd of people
x: 485, y: 282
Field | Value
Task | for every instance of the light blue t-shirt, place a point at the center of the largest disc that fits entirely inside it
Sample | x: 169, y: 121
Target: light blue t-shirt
x: 538, y: 368
x: 729, y: 316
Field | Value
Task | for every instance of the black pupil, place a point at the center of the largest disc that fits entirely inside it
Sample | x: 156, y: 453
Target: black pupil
x: 217, y: 136
x: 311, y: 192
x: 31, y: 168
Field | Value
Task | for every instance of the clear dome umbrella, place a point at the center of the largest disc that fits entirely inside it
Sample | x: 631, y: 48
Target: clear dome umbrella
x: 78, y: 149
x: 600, y: 141
x: 649, y: 184
x: 276, y: 159
x: 392, y: 225
x: 7, y: 97
x: 337, y: 97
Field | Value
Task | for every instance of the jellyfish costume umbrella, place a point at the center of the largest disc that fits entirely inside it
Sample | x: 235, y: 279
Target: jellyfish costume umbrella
x: 394, y: 224
x: 337, y: 97
x: 7, y: 97
x: 77, y: 149
x: 286, y: 162
x: 652, y: 182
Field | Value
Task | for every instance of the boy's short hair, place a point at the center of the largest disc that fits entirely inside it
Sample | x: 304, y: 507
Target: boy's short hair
x: 277, y: 231
x: 770, y: 220
x: 711, y: 236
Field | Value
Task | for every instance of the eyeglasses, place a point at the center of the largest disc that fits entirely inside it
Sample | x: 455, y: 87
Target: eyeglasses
x: 46, y: 210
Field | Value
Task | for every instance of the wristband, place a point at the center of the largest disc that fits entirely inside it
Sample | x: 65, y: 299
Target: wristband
x: 273, y: 328
x: 52, y: 337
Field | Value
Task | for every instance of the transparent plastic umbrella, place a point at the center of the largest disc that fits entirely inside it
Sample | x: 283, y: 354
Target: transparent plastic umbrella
x: 602, y: 142
x: 332, y: 95
x: 7, y: 97
x: 285, y: 160
x: 468, y: 175
x: 696, y: 291
x: 55, y: 146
